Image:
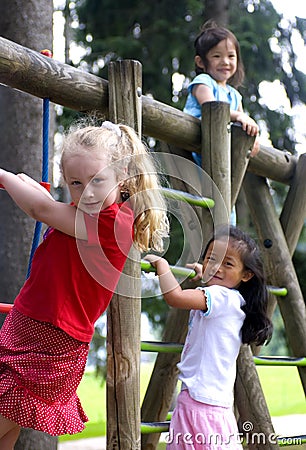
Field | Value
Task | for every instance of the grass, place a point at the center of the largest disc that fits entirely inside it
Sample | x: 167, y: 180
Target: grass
x: 283, y: 390
x: 281, y: 385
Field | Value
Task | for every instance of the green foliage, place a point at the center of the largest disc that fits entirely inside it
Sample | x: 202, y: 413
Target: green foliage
x: 157, y: 34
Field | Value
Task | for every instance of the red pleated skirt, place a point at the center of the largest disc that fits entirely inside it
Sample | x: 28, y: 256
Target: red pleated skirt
x: 41, y: 367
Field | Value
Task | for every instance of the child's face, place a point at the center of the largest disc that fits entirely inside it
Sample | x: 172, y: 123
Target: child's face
x: 223, y: 266
x: 222, y: 61
x: 92, y: 183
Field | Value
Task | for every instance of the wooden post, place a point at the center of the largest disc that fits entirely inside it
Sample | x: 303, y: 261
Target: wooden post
x: 216, y: 161
x: 254, y: 416
x: 241, y: 145
x: 278, y: 264
x: 124, y: 312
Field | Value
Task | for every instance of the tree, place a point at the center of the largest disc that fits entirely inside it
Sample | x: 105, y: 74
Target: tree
x: 20, y: 136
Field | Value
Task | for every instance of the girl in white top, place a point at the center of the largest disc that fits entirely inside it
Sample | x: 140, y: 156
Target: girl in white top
x: 229, y: 311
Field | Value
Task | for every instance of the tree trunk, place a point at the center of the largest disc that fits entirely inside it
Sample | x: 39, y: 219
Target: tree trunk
x: 35, y: 440
x: 28, y: 23
x: 217, y: 10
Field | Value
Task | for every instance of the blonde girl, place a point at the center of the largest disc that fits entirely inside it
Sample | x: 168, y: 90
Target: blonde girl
x: 115, y: 201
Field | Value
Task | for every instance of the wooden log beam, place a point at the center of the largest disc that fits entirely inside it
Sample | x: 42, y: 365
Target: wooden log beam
x: 124, y: 311
x: 29, y: 71
x: 294, y: 209
x: 269, y: 161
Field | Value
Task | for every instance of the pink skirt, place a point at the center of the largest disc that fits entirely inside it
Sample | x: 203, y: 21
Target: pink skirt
x: 41, y: 367
x: 198, y: 426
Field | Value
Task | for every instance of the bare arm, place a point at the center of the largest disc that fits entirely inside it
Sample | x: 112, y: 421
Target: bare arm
x: 172, y: 291
x: 35, y: 201
x: 248, y: 124
x: 204, y: 94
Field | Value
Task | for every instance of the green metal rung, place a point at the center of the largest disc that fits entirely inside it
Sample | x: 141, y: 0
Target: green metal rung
x: 190, y: 273
x: 172, y: 347
x: 195, y: 200
x: 154, y: 427
x: 161, y: 347
x: 279, y: 361
x: 278, y: 291
x: 178, y: 271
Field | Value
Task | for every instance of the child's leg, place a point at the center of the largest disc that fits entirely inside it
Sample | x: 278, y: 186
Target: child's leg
x: 9, y: 432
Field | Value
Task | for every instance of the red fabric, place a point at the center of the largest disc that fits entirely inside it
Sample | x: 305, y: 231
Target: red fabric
x: 40, y: 370
x: 72, y: 281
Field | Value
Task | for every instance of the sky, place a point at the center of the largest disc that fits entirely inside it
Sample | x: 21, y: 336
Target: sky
x: 290, y: 8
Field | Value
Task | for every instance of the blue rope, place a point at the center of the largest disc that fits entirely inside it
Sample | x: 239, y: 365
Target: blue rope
x: 45, y: 176
x: 45, y: 157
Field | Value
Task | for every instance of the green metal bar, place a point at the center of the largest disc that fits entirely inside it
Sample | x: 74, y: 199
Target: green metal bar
x: 154, y: 427
x: 190, y: 273
x: 178, y: 271
x: 279, y: 361
x: 278, y: 291
x: 195, y: 200
x: 161, y: 347
x: 172, y: 347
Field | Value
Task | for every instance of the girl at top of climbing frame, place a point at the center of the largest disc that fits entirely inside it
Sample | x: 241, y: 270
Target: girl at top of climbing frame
x: 219, y: 71
x: 115, y: 201
x: 229, y: 310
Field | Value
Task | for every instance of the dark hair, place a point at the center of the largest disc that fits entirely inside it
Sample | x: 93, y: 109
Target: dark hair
x: 257, y: 327
x: 210, y: 36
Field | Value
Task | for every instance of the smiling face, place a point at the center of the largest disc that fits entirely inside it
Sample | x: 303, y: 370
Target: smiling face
x: 221, y: 61
x: 92, y: 183
x: 223, y: 265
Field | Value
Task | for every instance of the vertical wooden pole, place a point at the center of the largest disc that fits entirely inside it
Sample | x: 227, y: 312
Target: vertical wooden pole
x: 241, y: 145
x: 124, y: 312
x: 216, y: 161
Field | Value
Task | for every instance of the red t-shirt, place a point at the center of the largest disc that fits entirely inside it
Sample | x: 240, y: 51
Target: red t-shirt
x: 72, y: 281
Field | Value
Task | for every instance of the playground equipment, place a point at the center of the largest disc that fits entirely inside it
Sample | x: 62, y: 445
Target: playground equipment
x: 120, y: 100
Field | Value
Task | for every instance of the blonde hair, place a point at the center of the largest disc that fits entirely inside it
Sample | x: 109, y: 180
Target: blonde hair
x: 136, y: 170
